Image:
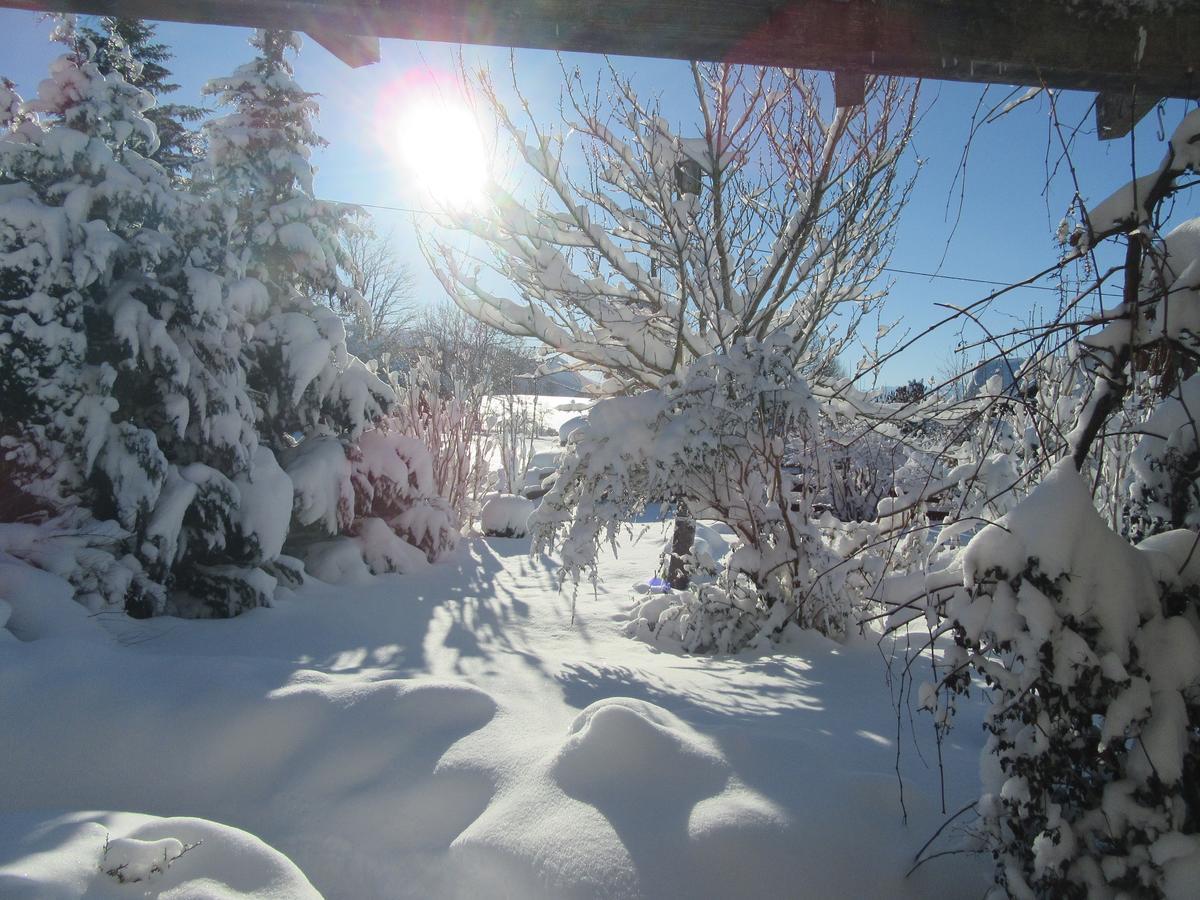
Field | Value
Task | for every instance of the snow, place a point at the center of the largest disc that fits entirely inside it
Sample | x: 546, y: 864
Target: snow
x: 569, y: 427
x: 1130, y: 203
x: 459, y: 732
x: 116, y: 855
x: 1108, y: 580
x: 321, y: 478
x: 1091, y: 675
x: 385, y: 551
x: 40, y: 604
x: 265, y: 513
x: 337, y: 561
x: 506, y: 515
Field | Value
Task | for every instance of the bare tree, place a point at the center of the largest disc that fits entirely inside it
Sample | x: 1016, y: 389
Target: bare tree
x: 657, y: 248
x: 454, y: 368
x: 377, y: 324
x: 467, y: 350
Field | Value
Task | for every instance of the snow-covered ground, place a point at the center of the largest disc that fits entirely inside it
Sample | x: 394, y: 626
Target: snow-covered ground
x: 456, y: 733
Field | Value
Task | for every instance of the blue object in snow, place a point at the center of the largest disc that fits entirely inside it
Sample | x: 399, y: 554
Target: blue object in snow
x: 658, y: 584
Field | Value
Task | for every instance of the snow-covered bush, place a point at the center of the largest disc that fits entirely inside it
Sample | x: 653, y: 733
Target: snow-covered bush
x: 506, y: 515
x: 385, y: 478
x: 716, y: 440
x: 1092, y: 656
x: 1089, y: 645
x: 394, y: 481
x: 448, y: 416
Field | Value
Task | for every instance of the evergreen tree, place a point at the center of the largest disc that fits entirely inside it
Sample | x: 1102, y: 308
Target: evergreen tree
x: 124, y: 400
x: 128, y: 47
x: 287, y: 242
x: 283, y: 246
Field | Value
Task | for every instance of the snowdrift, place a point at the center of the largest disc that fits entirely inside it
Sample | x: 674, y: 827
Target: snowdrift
x: 453, y: 733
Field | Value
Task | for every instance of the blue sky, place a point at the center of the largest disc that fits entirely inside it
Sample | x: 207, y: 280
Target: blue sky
x: 1005, y: 231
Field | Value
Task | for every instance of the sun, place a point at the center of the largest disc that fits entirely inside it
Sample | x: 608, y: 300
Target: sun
x: 442, y: 149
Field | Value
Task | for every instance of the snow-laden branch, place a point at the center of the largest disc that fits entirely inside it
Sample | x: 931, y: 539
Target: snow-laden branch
x: 648, y: 247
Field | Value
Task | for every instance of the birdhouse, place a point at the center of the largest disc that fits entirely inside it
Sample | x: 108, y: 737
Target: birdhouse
x: 688, y: 176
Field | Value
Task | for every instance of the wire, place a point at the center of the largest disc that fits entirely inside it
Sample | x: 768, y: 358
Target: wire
x: 1032, y: 287
x: 892, y: 269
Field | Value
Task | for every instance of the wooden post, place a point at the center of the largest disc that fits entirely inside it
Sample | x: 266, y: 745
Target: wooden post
x: 849, y: 89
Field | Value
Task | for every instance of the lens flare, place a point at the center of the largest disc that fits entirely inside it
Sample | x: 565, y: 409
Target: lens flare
x: 439, y: 143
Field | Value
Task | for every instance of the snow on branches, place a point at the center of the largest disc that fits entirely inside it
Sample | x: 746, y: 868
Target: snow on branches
x: 1089, y: 645
x: 1090, y: 649
x: 166, y: 354
x: 714, y: 439
x: 662, y: 248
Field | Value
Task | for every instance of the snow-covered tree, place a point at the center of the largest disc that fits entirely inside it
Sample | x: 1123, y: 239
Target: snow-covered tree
x: 283, y: 247
x: 650, y: 249
x: 124, y: 399
x: 770, y: 212
x: 315, y: 403
x: 1088, y: 644
x: 719, y: 435
x: 128, y: 47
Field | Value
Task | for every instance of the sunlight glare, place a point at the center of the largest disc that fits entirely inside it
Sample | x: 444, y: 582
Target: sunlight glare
x: 441, y: 146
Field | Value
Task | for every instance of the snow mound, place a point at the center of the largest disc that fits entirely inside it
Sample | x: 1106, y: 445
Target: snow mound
x: 506, y: 515
x: 429, y: 705
x: 621, y: 748
x: 337, y: 561
x: 118, y: 855
x: 569, y: 427
x: 385, y: 551
x: 41, y: 605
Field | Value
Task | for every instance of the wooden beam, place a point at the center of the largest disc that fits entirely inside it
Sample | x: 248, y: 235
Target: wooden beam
x: 355, y: 50
x: 1078, y: 44
x: 1117, y: 113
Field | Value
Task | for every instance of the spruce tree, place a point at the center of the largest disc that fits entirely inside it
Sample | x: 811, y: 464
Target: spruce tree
x: 128, y: 47
x: 286, y: 243
x: 125, y: 399
x: 314, y: 400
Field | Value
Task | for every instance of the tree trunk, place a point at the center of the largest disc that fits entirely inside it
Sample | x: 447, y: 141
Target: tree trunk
x: 681, y: 547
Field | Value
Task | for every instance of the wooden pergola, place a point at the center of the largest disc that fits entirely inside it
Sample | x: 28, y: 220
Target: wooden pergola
x: 1131, y: 54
